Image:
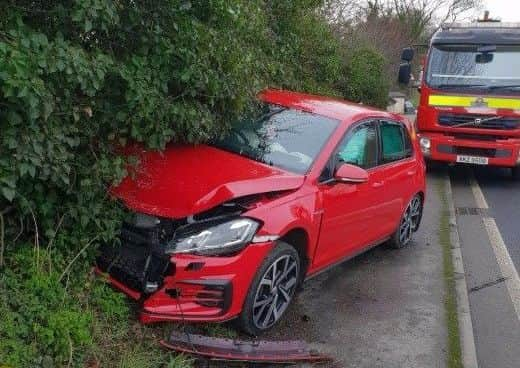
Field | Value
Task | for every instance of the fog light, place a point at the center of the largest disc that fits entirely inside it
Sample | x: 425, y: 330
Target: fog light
x: 426, y: 145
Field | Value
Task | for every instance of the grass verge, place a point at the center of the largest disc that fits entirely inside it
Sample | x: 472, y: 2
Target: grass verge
x: 454, y: 353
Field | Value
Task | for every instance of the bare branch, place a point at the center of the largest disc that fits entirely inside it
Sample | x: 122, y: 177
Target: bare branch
x: 66, y: 270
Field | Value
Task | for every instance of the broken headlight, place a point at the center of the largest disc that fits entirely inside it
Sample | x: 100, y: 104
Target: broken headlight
x: 213, y: 238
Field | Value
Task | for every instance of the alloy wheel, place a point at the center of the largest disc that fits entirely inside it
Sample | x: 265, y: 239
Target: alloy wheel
x: 275, y: 291
x: 410, y: 221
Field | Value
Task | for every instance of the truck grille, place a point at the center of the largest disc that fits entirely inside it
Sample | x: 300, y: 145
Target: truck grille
x: 139, y: 262
x: 474, y: 151
x: 505, y: 123
x: 476, y: 137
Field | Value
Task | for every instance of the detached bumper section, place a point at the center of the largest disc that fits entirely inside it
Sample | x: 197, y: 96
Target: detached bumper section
x: 277, y: 352
x: 498, y: 151
x: 179, y: 287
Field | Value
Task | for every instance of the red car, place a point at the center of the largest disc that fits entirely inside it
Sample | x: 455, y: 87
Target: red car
x: 232, y: 228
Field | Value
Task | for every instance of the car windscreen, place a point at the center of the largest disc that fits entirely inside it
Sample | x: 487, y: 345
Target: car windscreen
x: 285, y: 138
x: 473, y: 66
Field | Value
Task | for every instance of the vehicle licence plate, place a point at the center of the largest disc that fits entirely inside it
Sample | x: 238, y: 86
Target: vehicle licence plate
x: 472, y: 160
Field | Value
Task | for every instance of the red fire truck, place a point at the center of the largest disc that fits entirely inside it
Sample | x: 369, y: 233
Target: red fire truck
x: 469, y: 109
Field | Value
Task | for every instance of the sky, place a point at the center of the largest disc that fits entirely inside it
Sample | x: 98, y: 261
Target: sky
x: 507, y: 10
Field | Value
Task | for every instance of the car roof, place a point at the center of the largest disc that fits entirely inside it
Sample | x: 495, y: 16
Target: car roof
x: 334, y: 108
x: 486, y: 33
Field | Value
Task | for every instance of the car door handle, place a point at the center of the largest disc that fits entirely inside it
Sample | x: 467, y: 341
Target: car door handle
x: 411, y: 173
x: 378, y: 184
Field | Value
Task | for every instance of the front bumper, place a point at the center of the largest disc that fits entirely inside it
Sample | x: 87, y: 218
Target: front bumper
x: 198, y: 288
x: 499, y: 152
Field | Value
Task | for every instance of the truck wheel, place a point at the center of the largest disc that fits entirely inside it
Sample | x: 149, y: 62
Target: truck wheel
x: 516, y: 173
x: 431, y: 165
x: 271, y: 291
x: 409, y: 223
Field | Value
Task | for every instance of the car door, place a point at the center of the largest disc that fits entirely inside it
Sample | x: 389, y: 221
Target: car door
x: 399, y: 169
x: 349, y: 218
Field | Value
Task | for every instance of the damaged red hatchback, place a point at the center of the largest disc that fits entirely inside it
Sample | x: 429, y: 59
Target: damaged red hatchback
x: 230, y: 229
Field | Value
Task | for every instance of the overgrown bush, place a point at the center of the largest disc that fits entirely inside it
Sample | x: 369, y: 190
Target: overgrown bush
x: 366, y: 80
x: 78, y: 78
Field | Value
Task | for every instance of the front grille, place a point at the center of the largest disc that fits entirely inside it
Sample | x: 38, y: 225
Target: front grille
x: 475, y: 137
x: 133, y: 266
x: 474, y: 151
x: 140, y: 259
x: 505, y: 123
x: 470, y: 151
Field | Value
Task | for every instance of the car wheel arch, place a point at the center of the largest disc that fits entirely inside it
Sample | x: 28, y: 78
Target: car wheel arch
x: 422, y: 195
x: 298, y: 238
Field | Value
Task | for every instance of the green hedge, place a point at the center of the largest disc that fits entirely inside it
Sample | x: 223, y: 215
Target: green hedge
x: 79, y: 77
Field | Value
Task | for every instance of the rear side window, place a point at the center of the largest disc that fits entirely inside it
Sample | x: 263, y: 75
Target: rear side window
x: 395, y: 142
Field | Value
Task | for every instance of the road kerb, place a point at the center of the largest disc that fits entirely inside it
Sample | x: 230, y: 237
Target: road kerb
x: 469, y: 352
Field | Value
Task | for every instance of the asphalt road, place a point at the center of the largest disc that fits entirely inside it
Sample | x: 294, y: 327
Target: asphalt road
x: 487, y: 202
x: 503, y: 197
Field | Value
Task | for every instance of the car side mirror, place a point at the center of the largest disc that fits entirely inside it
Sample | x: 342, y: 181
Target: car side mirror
x: 347, y: 173
x: 405, y: 72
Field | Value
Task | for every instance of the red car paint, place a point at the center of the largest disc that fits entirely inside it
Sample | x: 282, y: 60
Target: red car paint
x: 174, y: 183
x: 336, y: 220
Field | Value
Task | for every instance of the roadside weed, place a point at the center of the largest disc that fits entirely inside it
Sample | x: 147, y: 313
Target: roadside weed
x: 454, y: 356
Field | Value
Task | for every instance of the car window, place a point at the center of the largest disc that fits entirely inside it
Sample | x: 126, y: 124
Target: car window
x: 360, y: 147
x: 395, y: 142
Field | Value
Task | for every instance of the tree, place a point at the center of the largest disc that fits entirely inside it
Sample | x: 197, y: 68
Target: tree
x: 79, y: 79
x: 423, y: 15
x: 419, y: 15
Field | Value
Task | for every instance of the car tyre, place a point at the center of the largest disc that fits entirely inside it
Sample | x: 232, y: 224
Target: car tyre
x: 433, y: 166
x: 271, y: 291
x: 410, y: 222
x: 515, y: 171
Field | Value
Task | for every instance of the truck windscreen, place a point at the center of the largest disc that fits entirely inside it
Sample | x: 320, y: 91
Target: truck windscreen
x: 474, y: 66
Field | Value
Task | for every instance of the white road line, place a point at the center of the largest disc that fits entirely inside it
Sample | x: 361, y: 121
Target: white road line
x: 477, y: 193
x: 505, y: 262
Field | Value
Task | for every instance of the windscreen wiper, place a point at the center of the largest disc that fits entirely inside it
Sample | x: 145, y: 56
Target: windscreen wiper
x: 477, y: 122
x: 511, y: 86
x: 460, y: 86
x: 270, y: 114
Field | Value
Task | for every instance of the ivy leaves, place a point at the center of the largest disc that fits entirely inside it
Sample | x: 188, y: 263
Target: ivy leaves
x: 79, y: 79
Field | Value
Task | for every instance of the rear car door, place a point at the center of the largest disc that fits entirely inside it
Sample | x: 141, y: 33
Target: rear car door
x: 349, y: 219
x: 399, y: 168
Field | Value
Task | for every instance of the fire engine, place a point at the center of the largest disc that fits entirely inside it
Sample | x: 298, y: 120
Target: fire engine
x: 469, y: 110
